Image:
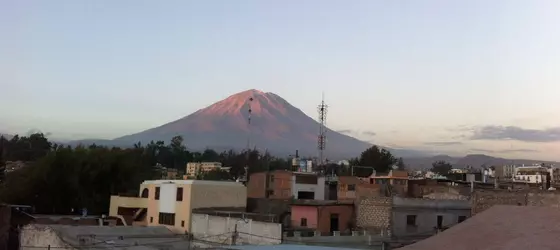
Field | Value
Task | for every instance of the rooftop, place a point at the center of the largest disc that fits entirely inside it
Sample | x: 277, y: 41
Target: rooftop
x: 322, y: 202
x: 500, y: 228
x: 116, y: 237
x: 194, y: 182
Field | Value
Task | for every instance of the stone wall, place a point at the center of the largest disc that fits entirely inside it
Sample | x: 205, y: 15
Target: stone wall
x: 484, y: 199
x: 374, y: 213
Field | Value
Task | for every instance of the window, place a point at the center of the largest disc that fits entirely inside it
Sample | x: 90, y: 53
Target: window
x: 151, y: 219
x: 303, y: 222
x: 167, y: 219
x: 461, y: 218
x: 145, y: 193
x: 182, y: 223
x: 439, y: 221
x: 269, y: 193
x: 411, y: 220
x: 352, y: 187
x: 157, y: 193
x: 179, y: 194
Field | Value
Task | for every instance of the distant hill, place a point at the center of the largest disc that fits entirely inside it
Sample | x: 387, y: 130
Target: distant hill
x: 474, y: 160
x: 276, y: 126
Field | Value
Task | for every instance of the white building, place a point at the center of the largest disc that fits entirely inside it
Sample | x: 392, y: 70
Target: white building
x: 531, y: 174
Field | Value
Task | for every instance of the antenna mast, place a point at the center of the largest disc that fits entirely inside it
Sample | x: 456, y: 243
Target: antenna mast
x: 249, y: 111
x: 322, y: 138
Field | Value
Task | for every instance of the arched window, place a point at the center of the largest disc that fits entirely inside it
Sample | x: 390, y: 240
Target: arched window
x: 145, y: 193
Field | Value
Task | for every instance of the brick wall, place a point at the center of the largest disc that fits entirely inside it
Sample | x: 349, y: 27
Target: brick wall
x: 374, y: 213
x: 256, y: 187
x: 345, y: 215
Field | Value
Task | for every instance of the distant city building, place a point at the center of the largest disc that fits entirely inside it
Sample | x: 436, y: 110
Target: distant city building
x: 531, y: 174
x: 195, y: 167
x: 504, y: 172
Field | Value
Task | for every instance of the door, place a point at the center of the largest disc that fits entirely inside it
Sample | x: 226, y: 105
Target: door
x: 334, y: 222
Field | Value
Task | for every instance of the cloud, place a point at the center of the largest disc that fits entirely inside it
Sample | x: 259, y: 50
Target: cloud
x: 443, y: 143
x: 519, y: 150
x: 370, y: 133
x: 356, y: 132
x: 516, y: 133
x: 345, y: 131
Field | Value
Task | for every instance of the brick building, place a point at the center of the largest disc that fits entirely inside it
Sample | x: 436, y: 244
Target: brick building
x: 273, y: 185
x: 325, y: 217
x: 350, y: 188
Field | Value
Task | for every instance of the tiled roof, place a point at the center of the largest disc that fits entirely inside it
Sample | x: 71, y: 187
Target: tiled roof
x: 500, y: 228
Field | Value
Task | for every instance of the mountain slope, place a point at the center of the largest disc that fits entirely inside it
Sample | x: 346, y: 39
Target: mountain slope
x: 474, y: 160
x: 276, y: 126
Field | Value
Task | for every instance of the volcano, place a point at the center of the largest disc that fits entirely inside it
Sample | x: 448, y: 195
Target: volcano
x: 276, y: 126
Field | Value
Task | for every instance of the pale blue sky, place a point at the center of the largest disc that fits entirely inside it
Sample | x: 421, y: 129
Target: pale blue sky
x: 420, y: 74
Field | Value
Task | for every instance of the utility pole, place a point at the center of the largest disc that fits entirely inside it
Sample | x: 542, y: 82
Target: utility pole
x: 249, y: 111
x: 322, y: 138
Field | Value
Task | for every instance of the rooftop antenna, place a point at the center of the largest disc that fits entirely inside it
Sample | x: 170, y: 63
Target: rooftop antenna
x: 249, y: 111
x: 322, y: 138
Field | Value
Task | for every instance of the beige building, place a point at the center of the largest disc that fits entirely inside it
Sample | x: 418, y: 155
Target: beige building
x: 170, y: 202
x: 194, y: 167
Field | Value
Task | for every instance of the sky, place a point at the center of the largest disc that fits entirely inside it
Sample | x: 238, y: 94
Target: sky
x: 455, y: 77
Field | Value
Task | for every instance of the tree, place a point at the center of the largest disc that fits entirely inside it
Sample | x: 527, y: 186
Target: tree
x: 441, y: 167
x: 380, y: 159
x: 400, y: 164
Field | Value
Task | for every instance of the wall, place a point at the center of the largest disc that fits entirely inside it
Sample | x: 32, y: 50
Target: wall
x: 484, y: 199
x: 280, y: 182
x: 256, y: 187
x: 318, y: 189
x: 426, y: 212
x: 216, y: 194
x: 373, y: 213
x: 345, y: 217
x: 34, y: 237
x: 219, y: 229
x: 5, y: 219
x: 308, y: 212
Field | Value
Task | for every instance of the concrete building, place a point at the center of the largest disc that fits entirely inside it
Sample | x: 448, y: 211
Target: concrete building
x: 283, y: 184
x: 500, y: 228
x: 194, y: 167
x: 504, y: 172
x: 531, y: 174
x: 410, y: 217
x: 170, y: 202
x: 325, y: 217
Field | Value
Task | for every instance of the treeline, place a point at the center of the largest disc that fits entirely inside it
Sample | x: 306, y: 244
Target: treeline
x: 61, y: 179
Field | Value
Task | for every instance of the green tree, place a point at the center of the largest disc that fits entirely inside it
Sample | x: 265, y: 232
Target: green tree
x: 441, y: 167
x: 380, y: 159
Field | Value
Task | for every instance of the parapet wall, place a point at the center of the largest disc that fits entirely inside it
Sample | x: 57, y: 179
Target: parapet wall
x: 484, y: 199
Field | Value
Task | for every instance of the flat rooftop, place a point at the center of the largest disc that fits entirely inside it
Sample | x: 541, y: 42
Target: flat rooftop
x: 194, y: 182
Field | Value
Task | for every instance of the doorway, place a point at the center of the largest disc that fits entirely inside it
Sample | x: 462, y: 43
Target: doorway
x: 334, y: 222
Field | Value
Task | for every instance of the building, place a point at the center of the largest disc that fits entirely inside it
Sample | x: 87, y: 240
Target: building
x: 396, y: 179
x: 504, y: 172
x: 86, y: 237
x: 500, y: 228
x: 281, y: 184
x: 405, y: 217
x: 170, y: 202
x: 273, y: 185
x: 325, y: 217
x: 350, y: 188
x: 531, y: 174
x: 195, y: 167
